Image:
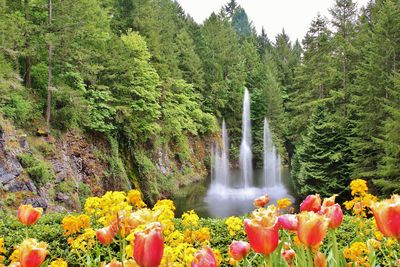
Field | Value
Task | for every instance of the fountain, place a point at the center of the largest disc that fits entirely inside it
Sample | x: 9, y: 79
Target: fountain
x: 246, y: 164
x: 220, y: 160
x: 272, y: 159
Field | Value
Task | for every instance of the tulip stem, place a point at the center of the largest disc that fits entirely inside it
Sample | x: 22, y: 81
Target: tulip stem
x: 335, y: 248
x: 309, y: 257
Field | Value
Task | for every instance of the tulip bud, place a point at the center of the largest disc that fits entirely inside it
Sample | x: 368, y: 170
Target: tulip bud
x: 311, y: 203
x: 263, y: 230
x: 312, y: 228
x: 387, y: 216
x: 28, y: 215
x: 288, y: 255
x: 334, y: 214
x: 105, y: 235
x: 32, y: 253
x: 261, y: 201
x: 319, y: 260
x: 204, y: 258
x: 239, y: 249
x: 288, y: 222
x: 148, y: 246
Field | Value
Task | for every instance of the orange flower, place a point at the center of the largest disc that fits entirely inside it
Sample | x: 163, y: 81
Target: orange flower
x: 288, y: 222
x: 263, y: 230
x: 204, y: 258
x: 312, y: 228
x: 319, y: 260
x: 387, y: 216
x: 28, y: 215
x: 261, y: 201
x: 32, y: 253
x: 148, y: 246
x: 311, y: 203
x: 288, y: 255
x: 105, y: 235
x: 239, y: 249
x: 335, y: 215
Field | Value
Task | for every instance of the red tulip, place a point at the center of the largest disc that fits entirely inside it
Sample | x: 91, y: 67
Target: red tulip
x: 311, y: 203
x: 32, y: 253
x: 105, y: 235
x: 28, y: 215
x: 263, y: 230
x: 334, y: 214
x: 204, y: 258
x: 239, y: 249
x: 288, y: 222
x: 261, y: 201
x: 387, y: 216
x: 312, y: 228
x: 319, y: 260
x: 288, y: 255
x: 148, y: 246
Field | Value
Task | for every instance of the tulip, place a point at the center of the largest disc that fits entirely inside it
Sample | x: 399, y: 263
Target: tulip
x: 312, y: 228
x: 335, y: 215
x: 261, y: 201
x: 204, y: 258
x: 148, y: 246
x: 288, y: 222
x: 28, y: 215
x: 105, y: 235
x: 387, y: 216
x: 311, y: 203
x: 239, y: 249
x: 263, y: 230
x: 329, y: 201
x: 32, y: 253
x: 319, y: 260
x: 115, y: 263
x: 288, y: 255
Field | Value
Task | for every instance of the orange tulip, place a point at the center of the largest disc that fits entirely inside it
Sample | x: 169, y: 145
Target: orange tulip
x: 28, y: 215
x: 263, y: 230
x: 311, y: 203
x: 261, y: 201
x: 32, y: 253
x: 105, y: 235
x: 288, y: 222
x: 239, y: 249
x: 288, y: 255
x: 335, y: 215
x: 319, y: 260
x: 204, y: 258
x: 148, y: 246
x: 387, y: 216
x: 312, y: 228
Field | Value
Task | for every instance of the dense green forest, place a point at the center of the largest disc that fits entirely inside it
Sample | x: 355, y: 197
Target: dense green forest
x: 142, y: 74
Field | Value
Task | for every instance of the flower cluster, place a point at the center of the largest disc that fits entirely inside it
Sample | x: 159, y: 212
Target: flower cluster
x: 75, y: 224
x: 357, y: 253
x: 361, y: 198
x: 2, y: 250
x: 283, y: 203
x: 235, y: 225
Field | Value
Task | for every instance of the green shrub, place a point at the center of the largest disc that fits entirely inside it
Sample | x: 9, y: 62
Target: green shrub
x: 38, y: 170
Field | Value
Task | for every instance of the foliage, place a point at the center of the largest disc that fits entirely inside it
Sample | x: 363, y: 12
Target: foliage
x: 38, y: 170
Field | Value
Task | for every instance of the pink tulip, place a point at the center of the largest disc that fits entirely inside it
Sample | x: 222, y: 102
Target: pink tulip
x: 148, y: 246
x: 288, y: 255
x: 387, y: 216
x: 28, y: 215
x: 105, y: 235
x: 261, y: 201
x: 32, y: 253
x: 335, y: 215
x: 239, y: 249
x: 311, y: 203
x: 204, y: 258
x: 312, y: 228
x: 288, y: 222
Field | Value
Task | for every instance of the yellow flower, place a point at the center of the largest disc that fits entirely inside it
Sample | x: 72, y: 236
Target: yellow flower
x: 85, y: 241
x: 14, y: 256
x: 58, y: 263
x: 135, y: 198
x: 283, y: 203
x: 373, y: 243
x: 358, y: 186
x: 234, y: 224
x: 202, y: 235
x: 2, y: 248
x: 390, y: 242
x: 218, y: 256
x: 74, y: 224
x: 357, y: 253
x: 190, y: 219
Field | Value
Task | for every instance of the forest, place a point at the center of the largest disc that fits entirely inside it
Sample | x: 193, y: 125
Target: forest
x: 108, y: 107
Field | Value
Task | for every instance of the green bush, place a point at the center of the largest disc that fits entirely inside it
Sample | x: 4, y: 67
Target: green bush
x: 38, y: 170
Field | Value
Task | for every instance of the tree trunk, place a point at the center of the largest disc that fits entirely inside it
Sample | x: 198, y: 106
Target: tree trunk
x: 50, y: 54
x: 28, y: 60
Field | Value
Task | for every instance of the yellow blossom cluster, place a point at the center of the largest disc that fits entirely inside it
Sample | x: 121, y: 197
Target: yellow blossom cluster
x: 234, y: 224
x: 134, y: 198
x: 108, y: 207
x: 165, y: 214
x: 84, y: 241
x: 357, y: 253
x: 58, y: 263
x: 190, y: 219
x: 74, y: 224
x: 2, y: 250
x: 283, y: 203
x: 361, y: 198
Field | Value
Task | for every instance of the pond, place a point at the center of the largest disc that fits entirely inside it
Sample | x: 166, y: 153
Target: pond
x: 211, y: 200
